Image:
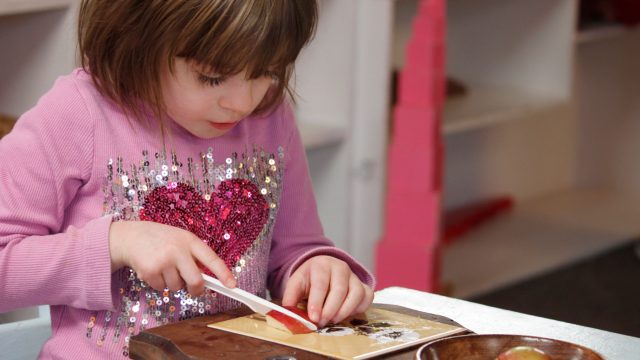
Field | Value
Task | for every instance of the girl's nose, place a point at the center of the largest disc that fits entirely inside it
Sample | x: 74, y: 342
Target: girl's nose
x: 239, y: 97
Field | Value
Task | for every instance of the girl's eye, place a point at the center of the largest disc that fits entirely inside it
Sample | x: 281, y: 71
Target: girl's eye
x: 210, y: 81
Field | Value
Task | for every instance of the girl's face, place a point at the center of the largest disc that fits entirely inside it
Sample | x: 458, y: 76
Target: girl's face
x: 209, y: 105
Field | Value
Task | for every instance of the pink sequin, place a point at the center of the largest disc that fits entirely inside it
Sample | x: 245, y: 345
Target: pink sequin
x: 180, y: 205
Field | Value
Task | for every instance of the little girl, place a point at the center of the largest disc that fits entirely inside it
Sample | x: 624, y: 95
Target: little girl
x: 171, y: 152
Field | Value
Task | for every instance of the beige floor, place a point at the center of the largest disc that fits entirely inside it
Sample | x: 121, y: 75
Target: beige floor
x: 538, y: 236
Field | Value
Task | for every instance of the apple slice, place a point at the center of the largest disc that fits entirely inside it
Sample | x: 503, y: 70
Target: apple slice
x: 283, y: 322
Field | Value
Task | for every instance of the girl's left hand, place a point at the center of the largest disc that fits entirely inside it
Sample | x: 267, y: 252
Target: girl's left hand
x: 332, y: 290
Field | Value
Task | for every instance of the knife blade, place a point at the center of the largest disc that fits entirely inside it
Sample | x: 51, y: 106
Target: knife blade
x: 254, y: 302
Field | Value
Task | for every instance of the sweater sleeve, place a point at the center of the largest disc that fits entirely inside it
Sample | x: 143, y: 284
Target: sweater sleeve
x: 44, y: 163
x: 298, y: 234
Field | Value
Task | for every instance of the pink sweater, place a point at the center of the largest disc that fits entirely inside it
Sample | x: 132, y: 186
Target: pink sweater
x: 74, y: 163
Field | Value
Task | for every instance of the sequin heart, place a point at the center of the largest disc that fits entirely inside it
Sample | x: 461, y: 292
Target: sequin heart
x: 229, y: 221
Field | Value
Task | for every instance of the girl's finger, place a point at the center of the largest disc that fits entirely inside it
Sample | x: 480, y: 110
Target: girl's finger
x: 366, y: 301
x: 213, y: 262
x: 352, y: 301
x: 172, y: 279
x: 338, y: 290
x: 295, y: 290
x: 318, y: 287
x: 191, y: 274
x: 156, y: 281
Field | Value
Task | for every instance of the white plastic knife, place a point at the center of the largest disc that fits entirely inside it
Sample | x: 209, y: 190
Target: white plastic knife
x: 254, y: 302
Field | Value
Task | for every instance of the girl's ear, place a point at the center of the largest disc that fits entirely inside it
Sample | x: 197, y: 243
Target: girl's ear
x: 272, y: 94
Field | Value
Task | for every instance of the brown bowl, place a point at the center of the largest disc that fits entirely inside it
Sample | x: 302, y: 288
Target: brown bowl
x: 488, y: 347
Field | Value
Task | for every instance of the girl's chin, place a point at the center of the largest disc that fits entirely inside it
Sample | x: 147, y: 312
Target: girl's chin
x: 211, y: 134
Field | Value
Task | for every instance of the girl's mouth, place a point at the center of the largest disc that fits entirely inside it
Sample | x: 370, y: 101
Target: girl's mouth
x: 223, y: 126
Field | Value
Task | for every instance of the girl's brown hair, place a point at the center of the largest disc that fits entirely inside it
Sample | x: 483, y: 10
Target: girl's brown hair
x: 124, y: 44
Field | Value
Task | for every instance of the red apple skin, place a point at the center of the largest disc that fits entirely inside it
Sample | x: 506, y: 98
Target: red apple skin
x: 523, y: 353
x: 292, y: 325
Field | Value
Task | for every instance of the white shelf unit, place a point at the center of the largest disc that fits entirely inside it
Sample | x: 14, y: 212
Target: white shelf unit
x: 551, y: 118
x: 518, y: 108
x: 607, y: 32
x: 484, y: 107
x: 343, y: 81
x: 316, y: 136
x: 597, y: 33
x: 541, y: 234
x: 37, y: 39
x: 13, y: 7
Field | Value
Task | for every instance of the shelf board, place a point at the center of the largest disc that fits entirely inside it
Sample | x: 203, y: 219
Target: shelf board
x: 601, y: 32
x: 538, y: 236
x: 12, y: 7
x: 316, y: 136
x: 483, y: 107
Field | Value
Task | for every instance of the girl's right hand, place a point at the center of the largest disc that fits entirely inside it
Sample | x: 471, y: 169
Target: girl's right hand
x: 164, y: 256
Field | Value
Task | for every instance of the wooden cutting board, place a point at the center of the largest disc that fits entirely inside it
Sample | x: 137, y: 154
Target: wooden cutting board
x: 192, y: 339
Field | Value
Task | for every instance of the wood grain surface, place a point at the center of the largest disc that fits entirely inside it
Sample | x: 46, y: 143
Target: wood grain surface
x: 192, y: 339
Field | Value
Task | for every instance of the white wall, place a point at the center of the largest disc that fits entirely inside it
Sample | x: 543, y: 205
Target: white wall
x: 343, y: 79
x: 36, y: 49
x: 608, y: 89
